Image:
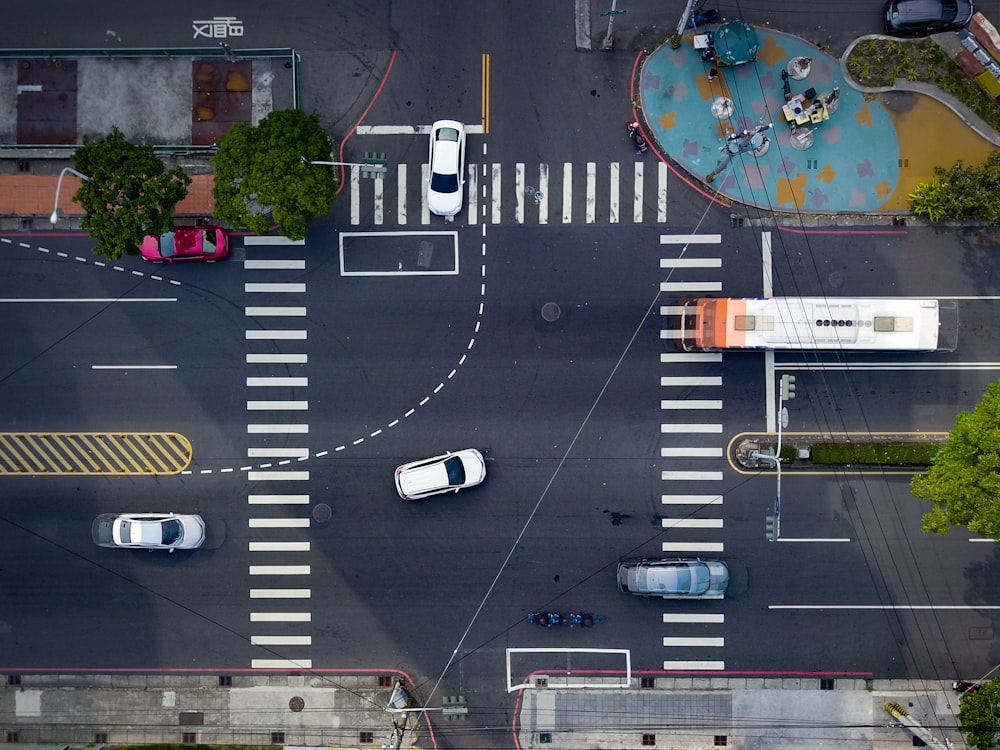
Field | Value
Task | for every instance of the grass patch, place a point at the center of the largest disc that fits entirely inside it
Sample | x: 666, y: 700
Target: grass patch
x: 879, y: 62
x: 883, y: 454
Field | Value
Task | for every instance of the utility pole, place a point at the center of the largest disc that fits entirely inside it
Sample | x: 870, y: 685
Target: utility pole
x: 786, y: 392
x: 609, y: 42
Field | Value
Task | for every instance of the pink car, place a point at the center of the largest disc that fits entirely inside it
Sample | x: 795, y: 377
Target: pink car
x: 187, y: 243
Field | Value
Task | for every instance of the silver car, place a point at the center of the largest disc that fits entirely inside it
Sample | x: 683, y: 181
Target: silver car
x: 449, y: 472
x: 148, y: 531
x: 674, y: 579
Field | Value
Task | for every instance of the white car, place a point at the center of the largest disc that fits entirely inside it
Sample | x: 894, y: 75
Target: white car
x: 445, y: 187
x: 449, y: 472
x: 674, y: 579
x: 148, y: 531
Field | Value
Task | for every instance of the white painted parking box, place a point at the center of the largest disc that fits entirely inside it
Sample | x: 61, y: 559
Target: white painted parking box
x: 399, y: 253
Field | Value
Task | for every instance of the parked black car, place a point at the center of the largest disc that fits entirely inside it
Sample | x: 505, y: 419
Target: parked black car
x: 922, y: 17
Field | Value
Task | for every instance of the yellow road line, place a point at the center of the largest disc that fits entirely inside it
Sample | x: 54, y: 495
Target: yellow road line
x: 93, y: 453
x: 486, y: 93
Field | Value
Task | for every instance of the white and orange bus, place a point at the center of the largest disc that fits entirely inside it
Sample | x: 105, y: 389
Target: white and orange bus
x: 817, y: 323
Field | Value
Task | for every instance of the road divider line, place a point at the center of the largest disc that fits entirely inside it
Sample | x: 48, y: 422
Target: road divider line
x: 87, y: 300
x: 904, y: 607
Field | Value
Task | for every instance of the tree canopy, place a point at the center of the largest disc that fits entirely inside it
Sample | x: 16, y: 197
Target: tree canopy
x: 129, y: 194
x: 963, y: 481
x: 961, y: 192
x: 977, y: 715
x: 263, y: 172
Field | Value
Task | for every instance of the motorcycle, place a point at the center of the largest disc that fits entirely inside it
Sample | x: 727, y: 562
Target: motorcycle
x: 961, y: 686
x: 546, y: 619
x: 636, y: 137
x: 701, y: 18
x: 585, y: 619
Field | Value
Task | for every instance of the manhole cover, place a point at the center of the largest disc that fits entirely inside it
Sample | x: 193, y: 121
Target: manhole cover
x: 322, y: 512
x: 551, y: 312
x: 836, y: 279
x: 296, y: 704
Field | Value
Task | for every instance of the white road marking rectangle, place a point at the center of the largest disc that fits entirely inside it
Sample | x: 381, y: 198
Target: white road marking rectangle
x: 472, y: 194
x: 379, y: 200
x: 275, y: 312
x: 691, y: 476
x: 692, y: 547
x: 519, y: 192
x: 280, y: 617
x: 567, y: 193
x: 279, y: 523
x: 691, y: 404
x: 277, y: 359
x: 688, y: 287
x: 281, y: 664
x: 277, y: 335
x: 691, y: 380
x: 278, y: 499
x: 691, y: 428
x: 671, y: 334
x: 401, y: 194
x: 253, y: 287
x: 693, y: 666
x: 495, y: 194
x: 279, y: 570
x: 690, y: 239
x: 542, y: 195
x: 591, y: 196
x: 269, y: 239
x: 691, y: 523
x: 277, y: 452
x: 671, y: 310
x: 262, y: 429
x: 280, y: 640
x: 661, y: 193
x: 690, y: 262
x: 690, y: 452
x: 637, y: 193
x: 683, y: 617
x: 673, y: 641
x: 280, y: 593
x: 355, y: 190
x: 615, y: 193
x: 277, y: 405
x: 290, y: 264
x: 691, y: 499
x: 279, y: 546
x: 277, y: 382
x: 278, y: 476
x: 667, y: 358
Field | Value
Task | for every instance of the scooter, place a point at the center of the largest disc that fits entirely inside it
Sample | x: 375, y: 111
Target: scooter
x: 546, y: 619
x: 699, y: 18
x: 959, y: 686
x: 636, y: 137
x: 585, y: 619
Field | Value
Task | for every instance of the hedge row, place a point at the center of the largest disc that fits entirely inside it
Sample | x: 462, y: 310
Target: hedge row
x: 886, y: 454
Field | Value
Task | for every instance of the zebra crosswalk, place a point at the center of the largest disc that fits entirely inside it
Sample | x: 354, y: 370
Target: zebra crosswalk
x: 495, y: 193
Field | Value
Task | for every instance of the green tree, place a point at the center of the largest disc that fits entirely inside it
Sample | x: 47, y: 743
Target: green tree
x: 963, y: 481
x: 961, y: 192
x: 130, y: 193
x: 263, y: 170
x: 978, y: 714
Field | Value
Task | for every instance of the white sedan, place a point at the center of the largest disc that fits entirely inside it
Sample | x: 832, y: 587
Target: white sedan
x: 445, y: 186
x: 148, y: 531
x: 449, y: 472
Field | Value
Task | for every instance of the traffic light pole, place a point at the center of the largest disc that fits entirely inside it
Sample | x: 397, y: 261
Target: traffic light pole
x: 786, y: 392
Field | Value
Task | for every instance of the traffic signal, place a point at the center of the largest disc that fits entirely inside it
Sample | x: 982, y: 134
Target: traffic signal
x: 787, y: 387
x: 771, y: 527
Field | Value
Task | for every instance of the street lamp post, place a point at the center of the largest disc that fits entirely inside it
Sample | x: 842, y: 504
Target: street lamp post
x: 55, y: 210
x: 786, y: 392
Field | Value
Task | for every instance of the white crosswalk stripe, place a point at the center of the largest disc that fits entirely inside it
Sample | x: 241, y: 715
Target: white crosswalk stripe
x: 519, y: 193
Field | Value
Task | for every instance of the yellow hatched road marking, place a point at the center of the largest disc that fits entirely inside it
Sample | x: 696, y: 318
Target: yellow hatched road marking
x: 94, y: 453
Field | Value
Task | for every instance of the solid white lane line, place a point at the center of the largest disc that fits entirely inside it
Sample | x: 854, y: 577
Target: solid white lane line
x: 355, y: 195
x: 691, y: 476
x: 691, y: 523
x: 816, y: 539
x: 712, y: 642
x: 692, y: 547
x: 519, y: 192
x: 661, y: 192
x: 543, y: 189
x: 271, y: 288
x: 102, y: 300
x: 283, y: 664
x: 495, y: 195
x: 279, y: 523
x: 690, y: 262
x: 277, y: 359
x: 980, y: 539
x: 281, y: 640
x: 279, y: 570
x: 690, y: 286
x: 277, y: 405
x: 280, y: 593
x: 259, y: 429
x: 690, y: 239
x: 276, y: 335
x: 637, y: 193
x: 682, y: 618
x: 916, y: 366
x: 277, y: 476
x: 401, y: 194
x: 133, y: 367
x: 278, y: 499
x: 379, y: 201
x: 691, y: 404
x: 591, y: 199
x: 913, y: 607
x: 615, y: 197
x: 279, y: 546
x: 276, y: 382
x: 269, y: 239
x: 690, y: 452
x: 567, y: 193
x: 669, y: 357
x: 276, y: 312
x: 691, y: 499
x: 280, y: 617
x: 691, y: 428
x: 693, y: 666
x: 274, y: 265
x: 277, y: 453
x: 706, y: 380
